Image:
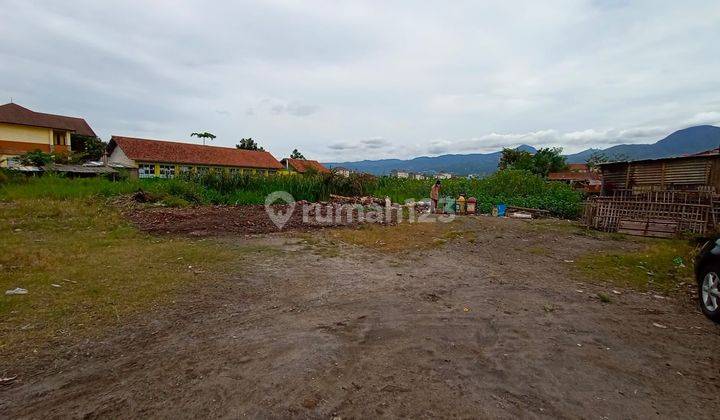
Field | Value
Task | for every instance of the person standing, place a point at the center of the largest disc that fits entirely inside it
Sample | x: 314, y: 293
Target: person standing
x: 435, y: 195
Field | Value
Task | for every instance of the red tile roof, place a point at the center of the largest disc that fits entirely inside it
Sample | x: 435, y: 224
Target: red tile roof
x: 162, y: 151
x: 303, y: 165
x: 15, y: 114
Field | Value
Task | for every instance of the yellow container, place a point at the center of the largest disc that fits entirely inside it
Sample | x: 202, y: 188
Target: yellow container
x: 461, y: 205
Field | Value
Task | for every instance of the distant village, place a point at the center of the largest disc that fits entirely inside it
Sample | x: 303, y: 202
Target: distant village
x: 24, y: 132
x: 32, y: 141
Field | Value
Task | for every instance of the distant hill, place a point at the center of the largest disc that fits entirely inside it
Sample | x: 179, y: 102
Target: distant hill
x: 682, y: 142
x: 475, y: 163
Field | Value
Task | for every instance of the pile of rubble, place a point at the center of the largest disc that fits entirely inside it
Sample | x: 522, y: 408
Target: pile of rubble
x: 363, y: 200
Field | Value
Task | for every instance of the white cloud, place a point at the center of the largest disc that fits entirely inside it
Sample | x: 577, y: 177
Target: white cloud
x: 702, y: 118
x: 571, y: 142
x: 433, y: 77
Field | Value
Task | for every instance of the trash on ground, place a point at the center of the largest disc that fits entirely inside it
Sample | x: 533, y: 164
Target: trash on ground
x: 655, y: 324
x: 7, y: 380
x: 536, y: 213
x: 520, y: 215
x: 499, y: 210
x: 17, y: 291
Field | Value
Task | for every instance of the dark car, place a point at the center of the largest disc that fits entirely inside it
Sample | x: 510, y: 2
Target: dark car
x: 707, y: 273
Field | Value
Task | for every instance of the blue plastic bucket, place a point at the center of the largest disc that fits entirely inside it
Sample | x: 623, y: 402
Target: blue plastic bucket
x: 501, y: 210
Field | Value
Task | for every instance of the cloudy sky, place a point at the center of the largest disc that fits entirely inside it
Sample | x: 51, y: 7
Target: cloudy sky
x: 347, y: 80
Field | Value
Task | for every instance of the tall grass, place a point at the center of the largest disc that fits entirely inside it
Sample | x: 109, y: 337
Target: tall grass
x: 511, y: 187
x: 223, y: 188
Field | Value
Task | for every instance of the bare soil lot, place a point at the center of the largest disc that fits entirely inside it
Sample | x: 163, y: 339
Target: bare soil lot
x: 477, y: 318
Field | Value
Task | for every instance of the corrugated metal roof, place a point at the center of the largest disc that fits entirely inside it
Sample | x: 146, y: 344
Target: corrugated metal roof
x: 707, y: 153
x: 81, y: 169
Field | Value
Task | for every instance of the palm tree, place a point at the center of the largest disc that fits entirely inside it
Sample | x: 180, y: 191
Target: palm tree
x: 204, y: 135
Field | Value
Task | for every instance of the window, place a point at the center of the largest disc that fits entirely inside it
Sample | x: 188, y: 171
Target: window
x: 202, y: 170
x: 234, y: 171
x: 184, y: 169
x: 59, y: 138
x: 146, y: 170
x: 167, y: 171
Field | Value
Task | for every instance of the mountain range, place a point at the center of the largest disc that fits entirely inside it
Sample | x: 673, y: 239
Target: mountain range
x: 682, y: 142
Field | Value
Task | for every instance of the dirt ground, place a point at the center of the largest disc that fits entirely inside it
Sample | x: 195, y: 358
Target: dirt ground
x: 495, y: 322
x: 242, y: 219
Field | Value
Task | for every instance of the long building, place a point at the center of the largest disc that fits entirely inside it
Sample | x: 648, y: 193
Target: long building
x: 148, y: 158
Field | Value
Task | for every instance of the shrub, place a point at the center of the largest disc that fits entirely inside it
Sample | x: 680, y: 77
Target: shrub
x: 35, y: 158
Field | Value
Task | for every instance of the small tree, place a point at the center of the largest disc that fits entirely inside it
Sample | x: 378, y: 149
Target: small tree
x: 248, y: 144
x: 596, y: 158
x: 296, y: 155
x: 204, y: 135
x: 35, y: 158
x: 541, y: 163
x: 514, y: 158
x: 548, y: 160
x: 87, y: 147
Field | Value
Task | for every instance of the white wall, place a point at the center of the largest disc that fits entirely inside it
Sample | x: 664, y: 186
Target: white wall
x: 118, y: 156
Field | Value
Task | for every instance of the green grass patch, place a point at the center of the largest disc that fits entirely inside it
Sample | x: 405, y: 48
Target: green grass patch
x: 403, y: 237
x: 538, y: 250
x: 84, y: 267
x: 661, y: 266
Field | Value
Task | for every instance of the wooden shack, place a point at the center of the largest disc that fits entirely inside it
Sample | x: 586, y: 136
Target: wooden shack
x: 699, y: 172
x: 658, y: 197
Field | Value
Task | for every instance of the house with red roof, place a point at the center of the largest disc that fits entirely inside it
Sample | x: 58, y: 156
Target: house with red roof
x: 149, y: 158
x: 23, y: 130
x: 302, y: 166
x: 580, y: 176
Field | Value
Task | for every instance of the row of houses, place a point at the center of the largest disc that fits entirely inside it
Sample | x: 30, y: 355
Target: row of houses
x: 398, y: 173
x: 23, y: 130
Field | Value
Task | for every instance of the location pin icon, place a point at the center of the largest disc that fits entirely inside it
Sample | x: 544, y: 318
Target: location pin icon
x: 278, y: 217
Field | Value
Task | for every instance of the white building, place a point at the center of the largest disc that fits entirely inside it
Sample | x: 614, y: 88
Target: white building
x: 342, y: 171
